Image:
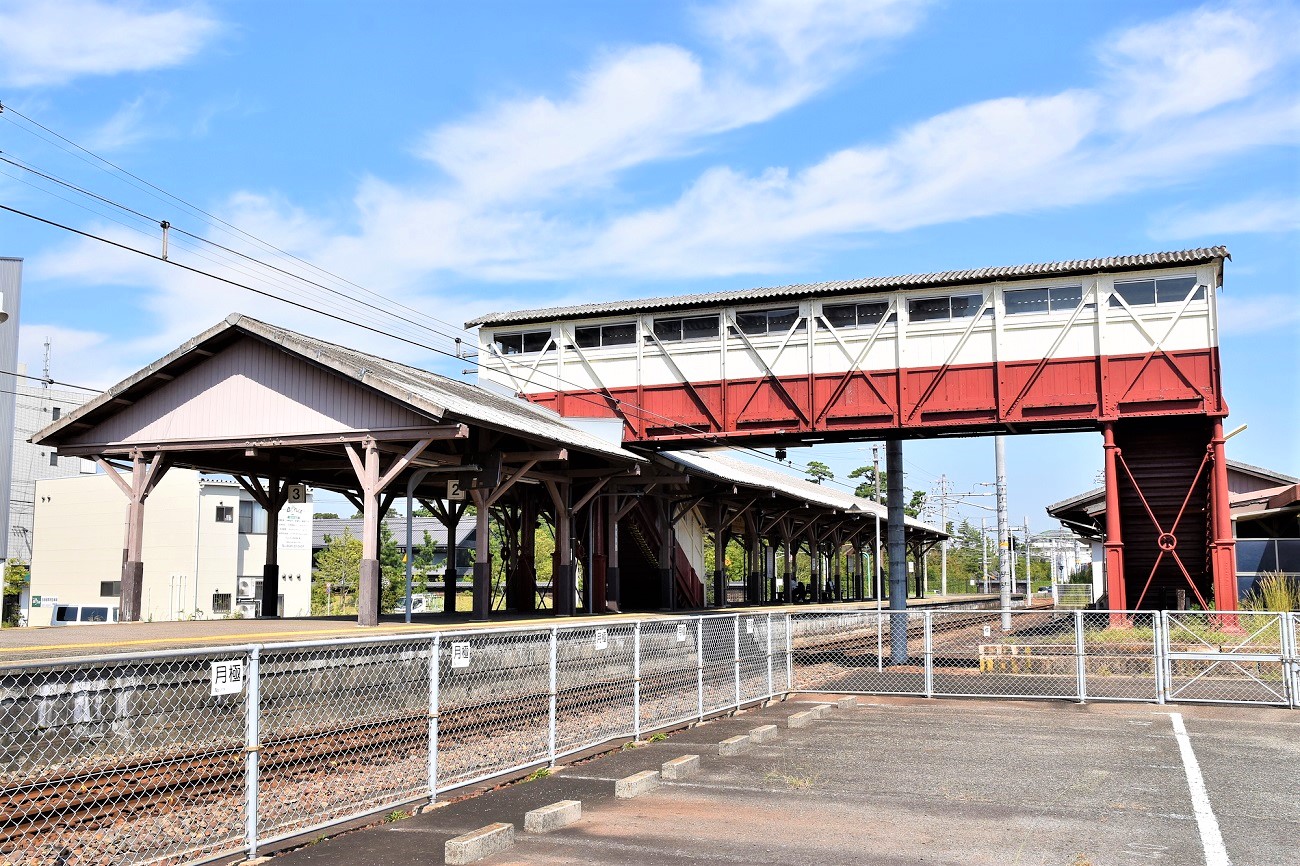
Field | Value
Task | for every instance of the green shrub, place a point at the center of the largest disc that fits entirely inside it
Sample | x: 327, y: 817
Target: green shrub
x: 1275, y: 592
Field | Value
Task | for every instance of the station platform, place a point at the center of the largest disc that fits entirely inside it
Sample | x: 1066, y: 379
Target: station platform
x: 56, y: 642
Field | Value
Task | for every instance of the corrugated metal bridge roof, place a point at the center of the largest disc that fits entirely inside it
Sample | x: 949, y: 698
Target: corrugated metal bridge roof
x: 869, y: 284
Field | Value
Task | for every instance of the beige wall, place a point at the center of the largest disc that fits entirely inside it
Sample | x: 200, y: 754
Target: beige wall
x: 79, y: 531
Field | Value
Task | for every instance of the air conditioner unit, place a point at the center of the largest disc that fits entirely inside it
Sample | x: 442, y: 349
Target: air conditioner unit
x: 248, y: 587
x: 248, y: 609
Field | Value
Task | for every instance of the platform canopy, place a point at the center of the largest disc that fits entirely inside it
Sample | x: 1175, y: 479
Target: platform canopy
x: 262, y: 402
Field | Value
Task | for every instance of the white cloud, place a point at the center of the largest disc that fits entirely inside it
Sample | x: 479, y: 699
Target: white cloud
x: 1241, y: 316
x: 76, y: 355
x: 1191, y: 62
x: 127, y: 126
x: 645, y: 103
x: 1264, y: 213
x: 504, y: 210
x: 51, y: 43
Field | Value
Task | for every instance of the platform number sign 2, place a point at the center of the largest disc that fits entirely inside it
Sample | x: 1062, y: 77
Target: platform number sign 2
x: 455, y: 492
x: 227, y: 677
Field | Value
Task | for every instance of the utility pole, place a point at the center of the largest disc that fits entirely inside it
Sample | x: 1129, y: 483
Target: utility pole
x: 1004, y: 530
x: 875, y: 477
x: 1029, y: 575
x: 984, y: 556
x: 943, y: 545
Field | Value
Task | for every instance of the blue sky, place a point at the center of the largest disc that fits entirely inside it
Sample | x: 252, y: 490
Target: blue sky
x: 467, y: 157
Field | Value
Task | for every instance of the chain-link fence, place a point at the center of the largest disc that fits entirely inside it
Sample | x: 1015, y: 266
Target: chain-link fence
x: 186, y: 756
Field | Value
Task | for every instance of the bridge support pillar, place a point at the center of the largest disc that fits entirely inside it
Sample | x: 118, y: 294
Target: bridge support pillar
x: 1116, y: 594
x: 1223, y: 554
x: 897, y: 551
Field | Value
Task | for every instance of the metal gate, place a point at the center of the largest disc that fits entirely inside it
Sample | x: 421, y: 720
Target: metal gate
x: 1238, y: 657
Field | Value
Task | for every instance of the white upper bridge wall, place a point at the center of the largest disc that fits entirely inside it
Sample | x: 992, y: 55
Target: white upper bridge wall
x: 810, y: 343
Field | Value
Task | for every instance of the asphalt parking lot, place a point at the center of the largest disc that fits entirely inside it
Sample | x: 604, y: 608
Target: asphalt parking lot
x: 895, y: 781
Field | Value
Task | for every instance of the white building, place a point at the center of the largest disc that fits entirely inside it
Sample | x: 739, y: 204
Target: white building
x: 11, y: 281
x: 35, y: 407
x: 204, y: 545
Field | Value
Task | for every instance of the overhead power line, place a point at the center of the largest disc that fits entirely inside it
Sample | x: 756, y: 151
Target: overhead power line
x: 372, y: 325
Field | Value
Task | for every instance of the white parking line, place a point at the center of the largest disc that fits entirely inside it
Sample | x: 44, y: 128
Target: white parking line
x: 1211, y: 840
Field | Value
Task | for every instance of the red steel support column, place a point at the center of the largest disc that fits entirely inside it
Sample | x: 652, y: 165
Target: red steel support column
x: 1115, y: 589
x: 1223, y: 555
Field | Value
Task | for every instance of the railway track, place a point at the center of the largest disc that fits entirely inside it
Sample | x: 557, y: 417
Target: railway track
x: 79, y: 807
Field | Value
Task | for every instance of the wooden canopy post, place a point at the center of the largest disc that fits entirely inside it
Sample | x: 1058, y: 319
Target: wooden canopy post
x: 814, y: 562
x: 272, y: 499
x: 721, y: 537
x: 449, y: 516
x: 613, y: 589
x: 372, y: 483
x: 562, y: 587
x: 144, y: 478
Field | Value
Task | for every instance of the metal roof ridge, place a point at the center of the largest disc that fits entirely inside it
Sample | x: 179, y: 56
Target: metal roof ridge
x: 936, y: 278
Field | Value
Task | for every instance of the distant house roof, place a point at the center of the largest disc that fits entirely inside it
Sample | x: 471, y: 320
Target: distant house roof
x: 335, y: 526
x: 1084, y: 512
x: 869, y: 284
x: 720, y: 466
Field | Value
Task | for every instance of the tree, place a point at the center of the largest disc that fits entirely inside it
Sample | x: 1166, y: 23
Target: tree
x: 17, y: 575
x: 422, y: 511
x: 338, y: 565
x: 866, y: 488
x: 392, y: 571
x: 325, y: 515
x: 818, y: 472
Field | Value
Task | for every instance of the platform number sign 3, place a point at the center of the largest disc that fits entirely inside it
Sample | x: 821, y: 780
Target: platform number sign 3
x: 295, y: 494
x: 227, y: 677
x: 460, y: 654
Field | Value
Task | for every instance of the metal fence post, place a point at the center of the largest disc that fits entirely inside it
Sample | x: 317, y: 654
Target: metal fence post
x: 770, y: 685
x: 252, y: 745
x: 1080, y: 661
x: 699, y: 665
x: 928, y: 652
x: 435, y: 657
x: 555, y: 638
x: 1160, y: 650
x: 789, y: 653
x: 736, y: 656
x: 636, y: 682
x: 1290, y: 657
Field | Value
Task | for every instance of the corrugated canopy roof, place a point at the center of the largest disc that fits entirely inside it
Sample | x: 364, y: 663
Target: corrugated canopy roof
x: 869, y: 284
x: 428, y: 393
x: 731, y: 470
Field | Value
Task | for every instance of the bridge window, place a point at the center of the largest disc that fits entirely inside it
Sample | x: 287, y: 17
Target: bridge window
x: 768, y: 321
x: 594, y: 336
x: 690, y: 328
x: 1170, y: 290
x: 1056, y: 299
x: 944, y: 309
x: 521, y: 342
x: 855, y: 315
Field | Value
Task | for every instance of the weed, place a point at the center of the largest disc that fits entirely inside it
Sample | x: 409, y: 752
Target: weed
x: 658, y: 738
x: 396, y: 815
x: 1274, y: 592
x: 539, y: 773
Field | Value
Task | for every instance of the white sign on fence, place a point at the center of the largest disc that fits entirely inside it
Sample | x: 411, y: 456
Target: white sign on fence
x: 228, y: 677
x: 460, y: 654
x: 749, y: 626
x: 602, y: 638
x: 681, y: 632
